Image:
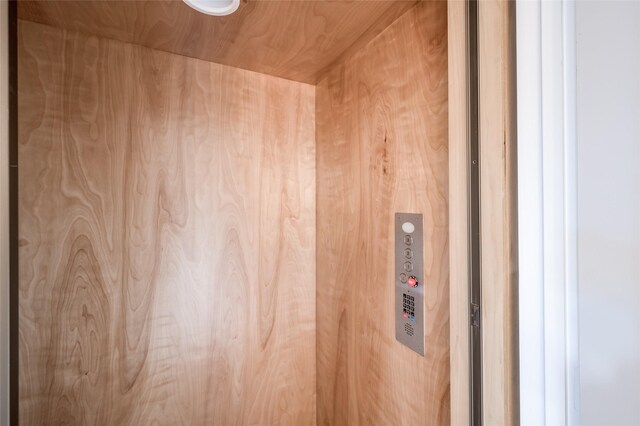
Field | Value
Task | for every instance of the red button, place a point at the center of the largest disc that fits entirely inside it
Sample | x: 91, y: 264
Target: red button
x: 412, y: 281
x: 404, y: 315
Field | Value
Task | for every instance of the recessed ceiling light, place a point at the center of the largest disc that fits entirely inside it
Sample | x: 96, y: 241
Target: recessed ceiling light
x: 214, y: 7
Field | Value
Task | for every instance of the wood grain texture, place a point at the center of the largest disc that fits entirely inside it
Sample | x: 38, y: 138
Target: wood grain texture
x: 498, y: 206
x: 167, y: 238
x: 458, y: 211
x: 382, y: 130
x: 297, y: 40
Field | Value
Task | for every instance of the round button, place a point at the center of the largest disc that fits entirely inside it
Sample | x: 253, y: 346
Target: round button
x: 408, y: 240
x: 408, y: 227
x: 408, y: 253
x: 408, y: 266
x: 403, y: 278
x: 412, y: 281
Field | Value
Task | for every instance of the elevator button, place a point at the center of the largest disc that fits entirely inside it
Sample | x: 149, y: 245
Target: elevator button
x: 412, y: 281
x: 408, y: 240
x: 403, y: 278
x: 408, y: 253
x: 408, y: 266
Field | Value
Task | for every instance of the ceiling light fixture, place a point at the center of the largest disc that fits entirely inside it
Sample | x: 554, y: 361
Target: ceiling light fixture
x: 214, y: 7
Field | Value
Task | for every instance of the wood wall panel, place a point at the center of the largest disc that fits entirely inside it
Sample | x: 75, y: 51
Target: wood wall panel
x: 292, y: 39
x: 458, y: 211
x: 498, y: 204
x: 382, y: 141
x: 167, y: 238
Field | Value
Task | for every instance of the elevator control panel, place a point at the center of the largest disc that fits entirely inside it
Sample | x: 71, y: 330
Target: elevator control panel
x: 409, y: 281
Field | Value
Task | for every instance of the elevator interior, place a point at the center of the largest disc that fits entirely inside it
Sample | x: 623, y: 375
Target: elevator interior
x: 207, y: 212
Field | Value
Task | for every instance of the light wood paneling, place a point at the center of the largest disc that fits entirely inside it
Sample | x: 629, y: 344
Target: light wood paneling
x: 167, y: 238
x: 498, y: 220
x: 382, y: 130
x: 297, y: 40
x: 458, y: 211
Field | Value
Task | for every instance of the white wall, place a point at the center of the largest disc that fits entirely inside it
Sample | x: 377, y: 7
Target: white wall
x: 545, y: 32
x: 579, y: 211
x: 608, y: 210
x: 4, y: 215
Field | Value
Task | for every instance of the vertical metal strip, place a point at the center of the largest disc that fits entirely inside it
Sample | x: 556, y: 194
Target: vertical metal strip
x: 475, y: 334
x: 13, y: 213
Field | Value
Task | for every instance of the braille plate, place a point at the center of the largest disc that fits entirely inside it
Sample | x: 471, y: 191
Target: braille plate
x: 409, y: 301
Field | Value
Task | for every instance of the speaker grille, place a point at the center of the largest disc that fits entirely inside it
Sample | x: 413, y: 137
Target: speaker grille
x: 408, y: 329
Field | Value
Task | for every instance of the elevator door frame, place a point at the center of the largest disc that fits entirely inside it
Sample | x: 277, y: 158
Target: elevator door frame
x: 492, y: 265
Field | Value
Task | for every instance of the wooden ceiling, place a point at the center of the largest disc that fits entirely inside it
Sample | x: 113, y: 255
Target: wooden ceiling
x: 297, y: 40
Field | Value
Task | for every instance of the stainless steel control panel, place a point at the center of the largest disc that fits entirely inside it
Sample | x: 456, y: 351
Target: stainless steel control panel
x: 409, y: 281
